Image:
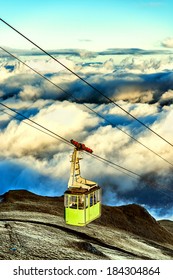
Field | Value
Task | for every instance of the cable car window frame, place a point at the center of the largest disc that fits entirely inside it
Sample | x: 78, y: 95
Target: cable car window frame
x: 86, y: 200
x: 81, y: 202
x: 73, y: 201
x: 66, y: 201
x: 91, y: 199
x: 98, y: 195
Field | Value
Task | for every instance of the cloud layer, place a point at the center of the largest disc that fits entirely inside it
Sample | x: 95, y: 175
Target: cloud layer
x: 141, y: 85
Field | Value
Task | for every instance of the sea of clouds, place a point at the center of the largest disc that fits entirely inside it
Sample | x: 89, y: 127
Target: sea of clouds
x: 142, y: 83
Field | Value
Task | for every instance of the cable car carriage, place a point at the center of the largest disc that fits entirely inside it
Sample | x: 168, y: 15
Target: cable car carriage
x: 82, y: 199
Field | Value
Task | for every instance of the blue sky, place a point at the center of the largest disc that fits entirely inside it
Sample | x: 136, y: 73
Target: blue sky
x: 92, y: 25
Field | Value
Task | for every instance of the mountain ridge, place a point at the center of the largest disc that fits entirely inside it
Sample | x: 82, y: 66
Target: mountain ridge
x: 131, y: 224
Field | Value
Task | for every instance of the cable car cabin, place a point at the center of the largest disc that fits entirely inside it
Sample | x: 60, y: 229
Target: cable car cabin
x: 82, y: 206
x: 82, y: 199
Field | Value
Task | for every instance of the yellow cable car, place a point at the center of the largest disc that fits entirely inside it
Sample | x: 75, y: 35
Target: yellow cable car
x: 82, y: 200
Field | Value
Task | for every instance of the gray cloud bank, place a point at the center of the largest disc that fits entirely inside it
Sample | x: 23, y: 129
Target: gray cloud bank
x: 35, y: 161
x: 83, y: 53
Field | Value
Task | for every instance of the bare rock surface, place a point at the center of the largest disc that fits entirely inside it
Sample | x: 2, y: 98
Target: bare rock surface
x: 167, y: 224
x: 33, y: 227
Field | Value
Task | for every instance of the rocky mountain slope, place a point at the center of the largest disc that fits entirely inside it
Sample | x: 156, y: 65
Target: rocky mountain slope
x: 167, y: 224
x: 32, y: 227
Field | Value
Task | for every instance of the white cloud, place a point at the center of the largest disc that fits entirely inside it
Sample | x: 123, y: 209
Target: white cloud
x: 49, y: 65
x: 138, y: 85
x: 30, y: 92
x: 168, y: 42
x: 167, y: 95
x: 63, y: 118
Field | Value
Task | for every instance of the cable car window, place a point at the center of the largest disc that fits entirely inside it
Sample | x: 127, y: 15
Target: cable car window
x: 91, y: 199
x: 73, y: 201
x: 81, y: 202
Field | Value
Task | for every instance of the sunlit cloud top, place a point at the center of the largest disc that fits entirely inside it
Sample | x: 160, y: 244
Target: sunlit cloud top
x: 141, y: 84
x: 123, y: 48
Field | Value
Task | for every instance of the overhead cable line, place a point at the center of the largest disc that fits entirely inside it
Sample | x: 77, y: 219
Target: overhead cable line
x: 89, y: 108
x: 87, y: 83
x: 146, y: 181
x: 58, y: 136
x: 108, y: 162
x: 95, y: 156
x: 103, y: 160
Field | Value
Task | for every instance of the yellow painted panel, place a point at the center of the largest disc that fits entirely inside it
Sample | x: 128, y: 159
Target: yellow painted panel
x: 75, y: 216
x: 81, y: 217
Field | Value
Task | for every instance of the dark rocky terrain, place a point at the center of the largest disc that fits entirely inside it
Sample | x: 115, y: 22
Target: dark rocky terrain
x: 167, y: 224
x: 32, y: 227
